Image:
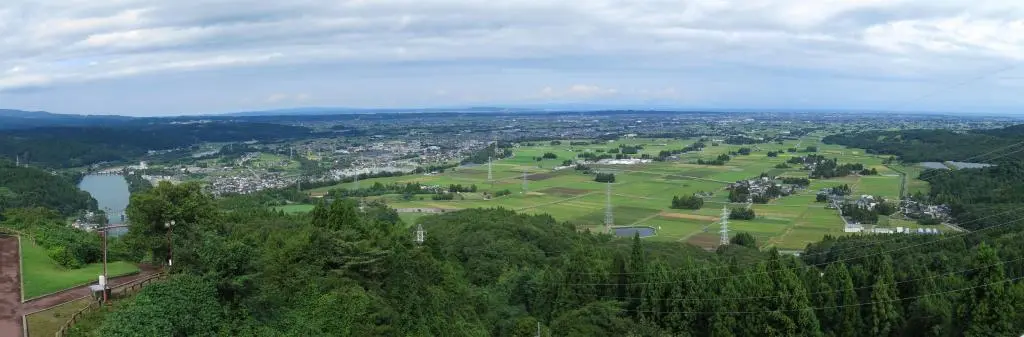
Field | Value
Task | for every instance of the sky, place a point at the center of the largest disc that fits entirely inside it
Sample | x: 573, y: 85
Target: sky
x: 160, y: 57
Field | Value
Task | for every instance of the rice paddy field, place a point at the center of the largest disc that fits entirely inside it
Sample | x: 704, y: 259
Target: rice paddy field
x: 642, y: 193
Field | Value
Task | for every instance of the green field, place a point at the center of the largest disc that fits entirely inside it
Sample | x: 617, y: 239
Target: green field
x: 297, y: 208
x: 642, y: 193
x: 43, y: 276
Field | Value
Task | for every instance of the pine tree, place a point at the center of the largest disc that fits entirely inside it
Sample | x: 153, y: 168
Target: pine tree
x: 849, y: 314
x: 883, y: 318
x: 989, y: 311
x: 927, y: 315
x: 840, y: 315
x: 637, y: 268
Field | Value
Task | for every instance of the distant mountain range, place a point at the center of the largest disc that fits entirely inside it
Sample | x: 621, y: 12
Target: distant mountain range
x: 343, y: 110
x: 19, y: 119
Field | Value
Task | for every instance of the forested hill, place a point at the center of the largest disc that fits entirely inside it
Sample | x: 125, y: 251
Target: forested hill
x: 22, y: 187
x: 18, y: 119
x: 933, y: 145
x: 79, y: 146
x: 344, y: 270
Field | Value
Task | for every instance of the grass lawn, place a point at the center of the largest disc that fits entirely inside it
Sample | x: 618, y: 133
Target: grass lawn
x: 47, y: 322
x: 297, y: 208
x: 888, y: 187
x: 43, y: 276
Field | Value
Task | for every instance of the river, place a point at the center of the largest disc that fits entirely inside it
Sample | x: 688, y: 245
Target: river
x: 111, y: 194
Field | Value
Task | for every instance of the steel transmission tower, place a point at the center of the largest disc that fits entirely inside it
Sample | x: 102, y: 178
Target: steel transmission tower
x: 526, y: 183
x: 609, y: 220
x: 490, y: 171
x: 420, y: 234
x: 725, y: 225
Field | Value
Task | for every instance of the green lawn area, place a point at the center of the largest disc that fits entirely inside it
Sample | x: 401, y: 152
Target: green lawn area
x: 297, y: 208
x: 43, y: 276
x: 47, y: 322
x: 888, y: 187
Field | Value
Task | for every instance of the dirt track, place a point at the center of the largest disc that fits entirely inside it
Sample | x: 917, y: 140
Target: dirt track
x: 11, y: 308
x: 10, y: 287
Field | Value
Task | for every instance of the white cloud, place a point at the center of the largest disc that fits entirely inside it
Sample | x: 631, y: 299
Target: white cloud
x: 958, y: 35
x: 53, y: 42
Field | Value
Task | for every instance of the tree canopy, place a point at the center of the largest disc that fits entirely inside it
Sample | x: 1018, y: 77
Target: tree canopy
x: 353, y: 269
x: 22, y: 187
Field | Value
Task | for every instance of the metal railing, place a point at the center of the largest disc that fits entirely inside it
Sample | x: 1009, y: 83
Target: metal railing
x: 121, y: 291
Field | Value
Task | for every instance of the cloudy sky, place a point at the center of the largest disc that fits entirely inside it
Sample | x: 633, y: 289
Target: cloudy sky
x: 162, y: 57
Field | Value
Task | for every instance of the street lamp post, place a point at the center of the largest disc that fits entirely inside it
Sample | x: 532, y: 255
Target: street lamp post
x: 104, y: 266
x: 104, y: 231
x: 170, y: 247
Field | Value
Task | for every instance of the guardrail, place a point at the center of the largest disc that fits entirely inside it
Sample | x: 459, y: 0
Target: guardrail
x: 122, y: 290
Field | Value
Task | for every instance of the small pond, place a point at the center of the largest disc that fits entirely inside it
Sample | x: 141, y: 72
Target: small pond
x: 630, y: 231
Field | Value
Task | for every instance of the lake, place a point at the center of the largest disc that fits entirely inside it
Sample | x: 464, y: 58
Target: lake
x: 630, y: 231
x: 111, y: 193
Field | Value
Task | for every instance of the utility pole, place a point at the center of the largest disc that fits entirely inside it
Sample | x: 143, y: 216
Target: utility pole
x: 104, y: 266
x: 609, y: 220
x: 725, y: 225
x: 420, y: 234
x: 170, y: 243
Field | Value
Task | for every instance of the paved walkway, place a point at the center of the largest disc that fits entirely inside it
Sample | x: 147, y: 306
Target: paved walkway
x: 10, y: 287
x: 11, y: 308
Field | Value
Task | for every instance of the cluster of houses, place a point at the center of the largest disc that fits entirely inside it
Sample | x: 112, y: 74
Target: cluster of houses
x: 247, y: 184
x: 917, y: 210
x: 632, y: 161
x: 761, y: 185
x: 857, y: 228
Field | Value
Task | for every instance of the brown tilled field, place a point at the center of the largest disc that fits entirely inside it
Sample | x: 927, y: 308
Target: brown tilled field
x: 564, y: 191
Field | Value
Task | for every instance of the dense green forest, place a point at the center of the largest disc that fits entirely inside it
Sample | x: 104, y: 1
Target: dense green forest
x: 80, y: 146
x: 914, y: 146
x: 345, y: 270
x: 978, y: 198
x: 22, y: 187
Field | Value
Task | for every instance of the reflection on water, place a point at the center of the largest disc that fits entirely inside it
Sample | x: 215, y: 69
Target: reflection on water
x: 630, y: 231
x: 111, y: 194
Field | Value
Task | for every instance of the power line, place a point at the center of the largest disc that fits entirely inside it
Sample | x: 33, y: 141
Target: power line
x: 725, y: 226
x: 818, y: 292
x: 895, y: 238
x: 420, y: 234
x: 829, y: 307
x: 526, y: 186
x: 982, y: 155
x: 794, y: 268
x: 958, y: 84
x: 868, y: 244
x: 609, y: 220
